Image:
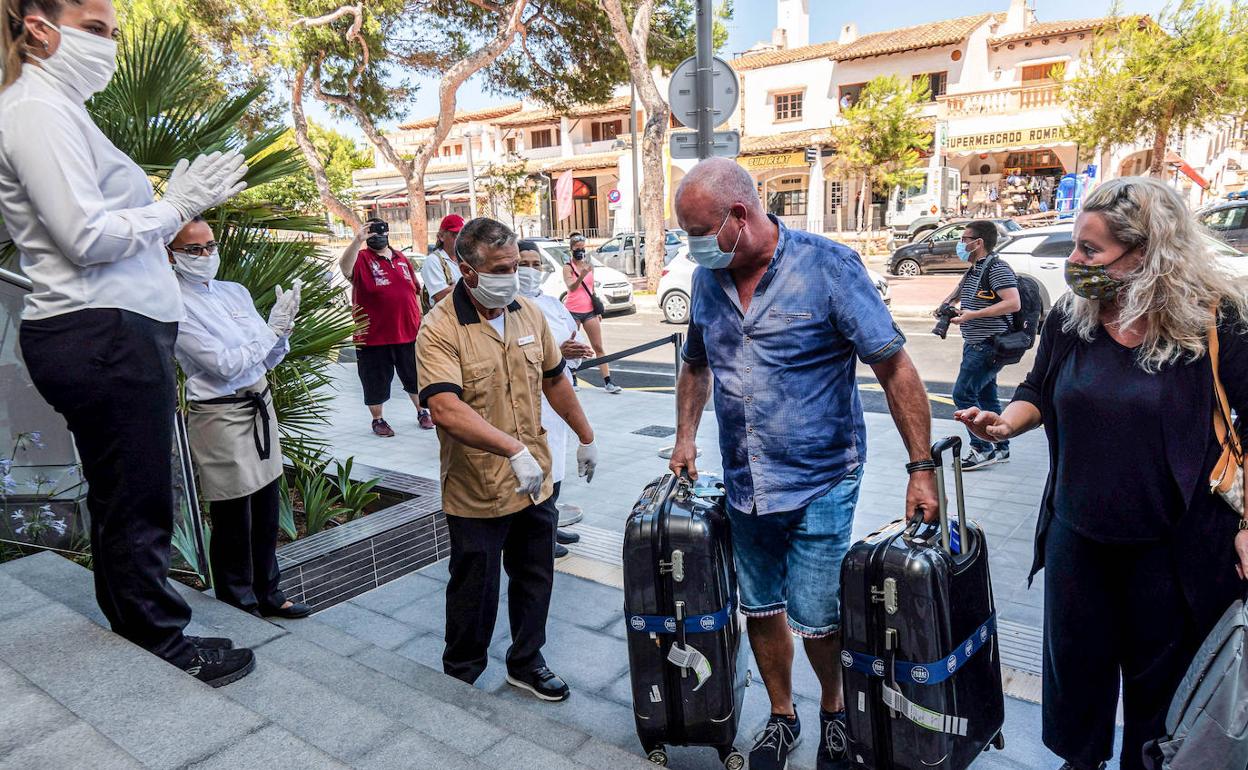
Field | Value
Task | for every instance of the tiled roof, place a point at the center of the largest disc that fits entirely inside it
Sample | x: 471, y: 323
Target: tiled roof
x: 938, y: 33
x: 589, y: 162
x: 1050, y: 28
x: 530, y: 117
x: 488, y: 113
x: 789, y: 140
x: 753, y: 61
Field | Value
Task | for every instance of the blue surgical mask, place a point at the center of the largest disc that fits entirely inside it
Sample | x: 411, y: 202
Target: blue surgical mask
x: 704, y: 249
x: 964, y: 253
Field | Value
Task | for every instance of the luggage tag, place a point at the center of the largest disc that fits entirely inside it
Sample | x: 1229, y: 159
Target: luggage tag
x: 690, y: 658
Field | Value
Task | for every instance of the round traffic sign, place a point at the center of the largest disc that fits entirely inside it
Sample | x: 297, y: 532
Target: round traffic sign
x: 613, y: 196
x: 682, y: 94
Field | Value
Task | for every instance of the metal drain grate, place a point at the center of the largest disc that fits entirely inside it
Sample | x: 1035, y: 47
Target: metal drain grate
x: 656, y: 431
x: 1021, y: 646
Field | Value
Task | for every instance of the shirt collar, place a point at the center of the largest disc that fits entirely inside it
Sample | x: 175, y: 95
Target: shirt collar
x: 465, y: 311
x: 782, y: 239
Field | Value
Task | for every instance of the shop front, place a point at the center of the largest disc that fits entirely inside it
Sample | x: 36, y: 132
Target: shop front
x: 1013, y: 172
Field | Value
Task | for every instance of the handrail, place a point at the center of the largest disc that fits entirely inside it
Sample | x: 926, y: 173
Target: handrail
x: 16, y: 279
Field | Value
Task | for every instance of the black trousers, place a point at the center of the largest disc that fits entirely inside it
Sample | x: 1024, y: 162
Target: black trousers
x: 243, y: 550
x: 521, y: 543
x: 377, y: 365
x: 1113, y: 614
x: 110, y: 374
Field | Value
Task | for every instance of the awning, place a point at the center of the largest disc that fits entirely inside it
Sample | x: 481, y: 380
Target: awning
x: 1010, y: 148
x: 1174, y: 161
x: 375, y: 196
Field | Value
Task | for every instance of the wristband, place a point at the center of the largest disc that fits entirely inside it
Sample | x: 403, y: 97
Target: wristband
x: 920, y: 465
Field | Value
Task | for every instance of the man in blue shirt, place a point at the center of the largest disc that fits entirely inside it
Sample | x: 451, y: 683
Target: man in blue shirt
x: 779, y: 320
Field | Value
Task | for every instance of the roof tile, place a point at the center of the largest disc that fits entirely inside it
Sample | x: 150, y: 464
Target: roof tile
x: 939, y: 33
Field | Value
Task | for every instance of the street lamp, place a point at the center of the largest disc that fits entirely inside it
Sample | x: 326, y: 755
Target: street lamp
x: 469, y: 134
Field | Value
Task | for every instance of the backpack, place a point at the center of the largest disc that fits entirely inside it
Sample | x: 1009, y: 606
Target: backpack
x: 1207, y: 725
x: 1010, y: 347
x: 426, y: 301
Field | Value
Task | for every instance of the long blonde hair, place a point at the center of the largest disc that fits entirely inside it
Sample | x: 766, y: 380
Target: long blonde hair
x: 1179, y: 283
x: 14, y: 38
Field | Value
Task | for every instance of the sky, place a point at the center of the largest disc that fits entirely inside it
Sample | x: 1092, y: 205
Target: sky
x: 754, y: 19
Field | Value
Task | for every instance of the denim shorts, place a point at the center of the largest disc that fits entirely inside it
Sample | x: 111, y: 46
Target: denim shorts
x: 791, y: 562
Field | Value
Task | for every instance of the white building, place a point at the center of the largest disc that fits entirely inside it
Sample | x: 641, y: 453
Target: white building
x: 994, y: 102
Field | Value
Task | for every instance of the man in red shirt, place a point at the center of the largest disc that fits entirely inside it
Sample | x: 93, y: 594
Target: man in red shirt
x: 386, y: 295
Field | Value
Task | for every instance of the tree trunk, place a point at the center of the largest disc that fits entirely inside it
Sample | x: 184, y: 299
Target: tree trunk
x: 331, y: 202
x: 633, y: 43
x: 1157, y: 166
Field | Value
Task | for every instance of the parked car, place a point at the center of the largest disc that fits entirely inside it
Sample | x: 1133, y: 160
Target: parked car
x: 936, y: 250
x: 610, y: 285
x: 1039, y: 255
x: 1228, y: 221
x: 616, y: 252
x: 676, y: 286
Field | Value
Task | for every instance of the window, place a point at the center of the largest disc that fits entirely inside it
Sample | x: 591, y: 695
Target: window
x: 789, y: 106
x: 1226, y: 219
x: 787, y: 203
x: 937, y: 84
x: 1038, y: 73
x: 835, y: 195
x: 849, y: 95
x: 606, y: 130
x: 951, y: 234
x: 459, y: 149
x: 446, y: 151
x: 1055, y: 247
x: 511, y: 145
x: 543, y: 138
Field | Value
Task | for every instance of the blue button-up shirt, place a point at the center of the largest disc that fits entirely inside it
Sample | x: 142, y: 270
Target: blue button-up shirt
x: 786, y: 397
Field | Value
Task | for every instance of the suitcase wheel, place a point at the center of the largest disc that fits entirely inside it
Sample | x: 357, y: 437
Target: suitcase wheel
x: 998, y: 742
x: 735, y: 760
x: 658, y: 757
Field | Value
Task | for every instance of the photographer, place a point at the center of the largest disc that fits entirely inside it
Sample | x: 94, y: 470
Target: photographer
x: 584, y: 306
x: 983, y: 305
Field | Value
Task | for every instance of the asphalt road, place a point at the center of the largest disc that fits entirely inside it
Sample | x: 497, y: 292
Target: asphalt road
x: 937, y: 360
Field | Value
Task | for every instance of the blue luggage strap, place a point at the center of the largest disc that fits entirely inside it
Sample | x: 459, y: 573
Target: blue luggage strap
x: 924, y: 673
x: 694, y: 624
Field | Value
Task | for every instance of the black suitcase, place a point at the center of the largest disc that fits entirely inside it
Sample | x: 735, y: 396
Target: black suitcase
x: 921, y: 663
x: 680, y: 592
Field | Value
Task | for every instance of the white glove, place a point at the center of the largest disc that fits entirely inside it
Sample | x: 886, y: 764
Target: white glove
x: 195, y: 187
x: 528, y: 473
x: 586, y: 460
x: 282, y: 316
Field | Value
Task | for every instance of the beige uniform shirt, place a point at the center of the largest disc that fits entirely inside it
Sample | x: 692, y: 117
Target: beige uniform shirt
x: 457, y: 351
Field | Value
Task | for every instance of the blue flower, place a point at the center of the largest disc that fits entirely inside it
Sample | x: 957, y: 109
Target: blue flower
x: 8, y: 485
x: 6, y: 465
x: 37, y: 438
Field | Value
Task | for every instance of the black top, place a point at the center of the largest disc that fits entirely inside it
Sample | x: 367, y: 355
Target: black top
x: 1203, y: 537
x: 1116, y: 486
x: 1000, y: 276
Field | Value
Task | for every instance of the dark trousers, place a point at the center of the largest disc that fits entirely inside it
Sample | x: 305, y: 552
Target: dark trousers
x: 110, y: 375
x: 243, y: 550
x: 521, y: 543
x: 977, y: 386
x: 1112, y: 614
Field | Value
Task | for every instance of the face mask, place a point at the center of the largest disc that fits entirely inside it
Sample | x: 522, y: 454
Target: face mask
x: 964, y: 253
x: 530, y: 281
x: 1092, y: 281
x: 578, y: 254
x: 199, y: 269
x: 378, y: 242
x: 496, y: 291
x: 83, y: 61
x: 704, y: 249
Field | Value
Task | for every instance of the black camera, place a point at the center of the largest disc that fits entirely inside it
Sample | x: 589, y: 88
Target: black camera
x: 944, y: 315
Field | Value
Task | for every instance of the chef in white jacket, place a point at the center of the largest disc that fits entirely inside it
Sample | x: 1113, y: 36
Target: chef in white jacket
x: 532, y: 272
x: 226, y: 351
x: 98, y: 327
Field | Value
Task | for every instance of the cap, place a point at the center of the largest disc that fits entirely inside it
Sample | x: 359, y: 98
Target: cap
x: 452, y: 223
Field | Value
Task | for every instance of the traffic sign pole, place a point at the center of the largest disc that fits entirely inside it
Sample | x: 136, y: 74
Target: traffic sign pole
x: 705, y: 124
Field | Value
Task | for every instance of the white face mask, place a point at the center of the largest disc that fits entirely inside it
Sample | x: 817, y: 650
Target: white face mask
x: 495, y: 291
x: 200, y: 269
x: 84, y: 62
x: 530, y: 281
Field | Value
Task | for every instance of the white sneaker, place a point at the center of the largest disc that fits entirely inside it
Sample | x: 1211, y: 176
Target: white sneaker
x: 977, y: 459
x: 611, y: 387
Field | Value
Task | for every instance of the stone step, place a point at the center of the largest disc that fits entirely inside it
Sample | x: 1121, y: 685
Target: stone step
x: 354, y: 703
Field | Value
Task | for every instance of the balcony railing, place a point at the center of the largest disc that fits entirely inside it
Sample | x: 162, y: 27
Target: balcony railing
x: 1005, y: 101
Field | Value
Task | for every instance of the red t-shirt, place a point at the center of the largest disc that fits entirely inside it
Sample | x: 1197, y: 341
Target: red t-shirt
x: 386, y: 294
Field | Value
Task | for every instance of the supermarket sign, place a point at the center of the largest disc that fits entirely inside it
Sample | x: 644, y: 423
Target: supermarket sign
x: 1016, y: 137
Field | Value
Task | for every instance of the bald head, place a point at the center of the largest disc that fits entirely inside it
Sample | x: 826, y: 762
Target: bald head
x: 714, y: 186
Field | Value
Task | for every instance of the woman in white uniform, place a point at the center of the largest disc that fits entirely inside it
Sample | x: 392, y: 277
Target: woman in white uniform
x: 98, y: 327
x: 226, y: 350
x: 564, y: 327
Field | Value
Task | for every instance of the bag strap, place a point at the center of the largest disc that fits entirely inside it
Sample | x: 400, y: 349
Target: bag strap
x: 1223, y: 476
x: 446, y: 270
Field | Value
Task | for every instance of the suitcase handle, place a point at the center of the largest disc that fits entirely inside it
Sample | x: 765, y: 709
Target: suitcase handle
x: 953, y: 445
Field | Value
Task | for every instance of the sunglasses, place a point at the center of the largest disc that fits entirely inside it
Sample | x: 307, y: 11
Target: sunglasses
x: 196, y: 250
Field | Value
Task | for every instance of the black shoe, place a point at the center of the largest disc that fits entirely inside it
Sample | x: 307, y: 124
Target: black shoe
x: 560, y: 551
x: 542, y: 682
x: 564, y: 537
x: 977, y: 460
x: 772, y: 746
x: 833, y: 741
x: 210, y: 642
x: 217, y: 668
x: 1001, y: 455
x: 295, y: 610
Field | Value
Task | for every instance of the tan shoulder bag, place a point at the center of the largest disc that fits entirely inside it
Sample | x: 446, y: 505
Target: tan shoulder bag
x: 1227, y: 478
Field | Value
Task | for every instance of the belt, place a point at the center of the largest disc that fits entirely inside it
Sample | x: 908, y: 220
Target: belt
x: 260, y: 409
